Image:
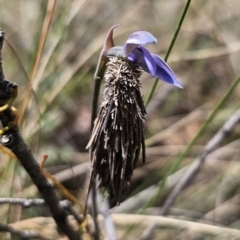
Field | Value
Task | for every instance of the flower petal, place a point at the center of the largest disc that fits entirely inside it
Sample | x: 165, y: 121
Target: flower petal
x: 164, y: 72
x: 137, y: 39
x: 142, y: 57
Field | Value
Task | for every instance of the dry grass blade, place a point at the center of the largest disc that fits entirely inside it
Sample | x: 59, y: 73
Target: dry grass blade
x: 196, y: 165
x: 45, y: 30
x: 206, y: 53
x: 45, y: 227
x: 123, y: 221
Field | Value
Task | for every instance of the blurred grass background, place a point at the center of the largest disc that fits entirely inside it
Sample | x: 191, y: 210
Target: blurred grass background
x: 56, y: 120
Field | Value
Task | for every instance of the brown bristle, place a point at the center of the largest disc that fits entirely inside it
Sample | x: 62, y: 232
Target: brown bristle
x: 117, y: 136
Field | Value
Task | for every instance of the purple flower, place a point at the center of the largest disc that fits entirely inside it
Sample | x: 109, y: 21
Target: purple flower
x: 134, y: 51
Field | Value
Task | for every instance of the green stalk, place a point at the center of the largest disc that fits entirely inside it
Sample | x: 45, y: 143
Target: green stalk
x: 169, y: 50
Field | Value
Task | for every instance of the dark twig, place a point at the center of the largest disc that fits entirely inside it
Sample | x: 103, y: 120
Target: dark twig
x: 196, y: 165
x: 13, y: 140
x: 24, y: 234
x: 1, y: 45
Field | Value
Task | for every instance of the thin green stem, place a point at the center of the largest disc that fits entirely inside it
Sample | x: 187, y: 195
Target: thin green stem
x: 178, y: 160
x: 169, y: 49
x: 97, y: 86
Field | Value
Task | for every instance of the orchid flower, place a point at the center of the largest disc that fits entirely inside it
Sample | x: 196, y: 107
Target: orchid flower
x: 117, y: 137
x: 135, y: 53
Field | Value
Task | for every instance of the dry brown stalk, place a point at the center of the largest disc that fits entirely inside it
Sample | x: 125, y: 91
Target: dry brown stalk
x: 117, y: 136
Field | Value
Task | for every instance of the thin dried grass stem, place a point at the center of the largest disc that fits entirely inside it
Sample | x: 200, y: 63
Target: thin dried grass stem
x: 123, y: 221
x: 43, y: 37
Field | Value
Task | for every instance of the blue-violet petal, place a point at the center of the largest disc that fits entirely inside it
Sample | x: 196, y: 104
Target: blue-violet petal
x: 138, y: 39
x: 142, y: 57
x: 164, y: 72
